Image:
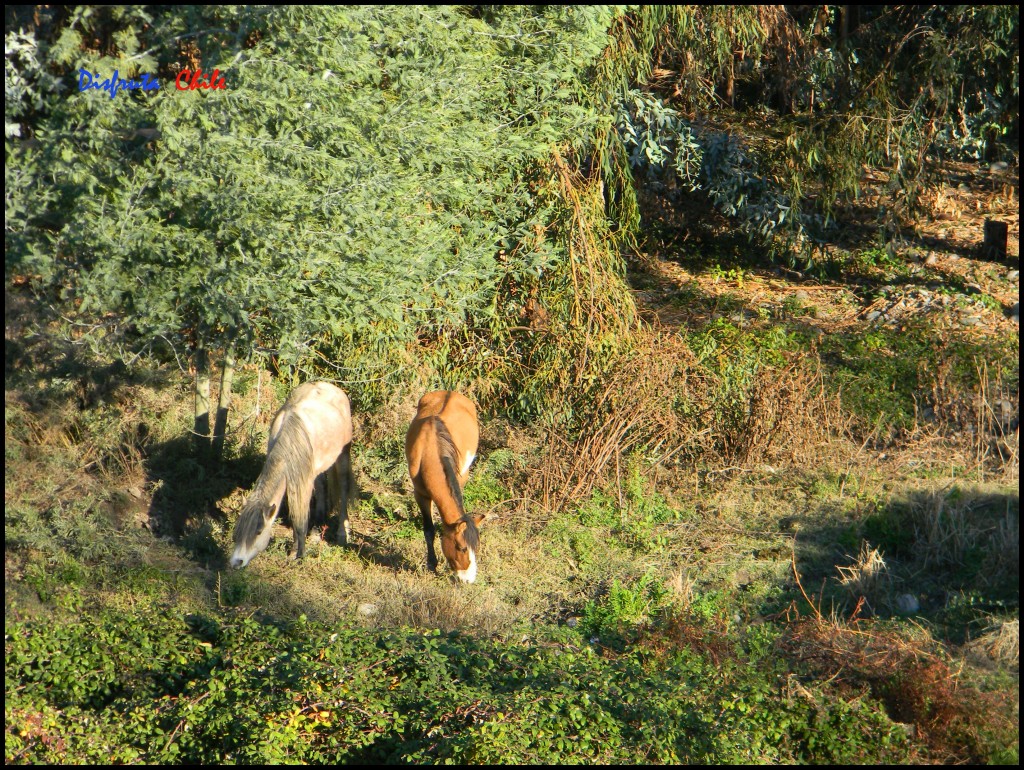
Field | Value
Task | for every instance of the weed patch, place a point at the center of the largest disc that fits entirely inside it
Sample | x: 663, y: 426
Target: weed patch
x: 916, y: 685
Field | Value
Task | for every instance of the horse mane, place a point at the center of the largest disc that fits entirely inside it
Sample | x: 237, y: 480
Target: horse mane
x: 290, y: 459
x: 449, y: 460
x: 449, y: 457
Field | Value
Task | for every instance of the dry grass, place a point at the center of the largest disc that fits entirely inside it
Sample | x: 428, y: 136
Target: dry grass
x: 949, y: 525
x: 999, y: 644
x: 868, y: 574
x: 658, y: 398
x: 943, y: 530
x: 915, y: 681
x: 383, y: 582
x: 634, y: 408
x: 791, y: 417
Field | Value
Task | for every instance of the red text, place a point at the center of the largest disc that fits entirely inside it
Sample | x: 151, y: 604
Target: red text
x: 190, y: 81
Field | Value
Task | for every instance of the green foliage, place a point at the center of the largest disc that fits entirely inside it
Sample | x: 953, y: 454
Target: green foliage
x: 847, y: 87
x: 599, y: 510
x: 613, y: 617
x: 149, y: 687
x: 887, y: 376
x: 231, y: 216
x: 660, y: 141
x: 483, y: 491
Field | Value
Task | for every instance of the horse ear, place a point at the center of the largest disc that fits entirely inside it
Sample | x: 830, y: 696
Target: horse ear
x: 269, y: 514
x: 480, y: 518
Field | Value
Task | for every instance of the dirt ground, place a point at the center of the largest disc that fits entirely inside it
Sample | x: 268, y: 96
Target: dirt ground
x: 941, y: 270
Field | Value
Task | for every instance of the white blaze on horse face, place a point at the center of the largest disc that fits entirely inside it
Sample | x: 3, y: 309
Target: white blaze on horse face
x: 467, y: 463
x: 468, y: 575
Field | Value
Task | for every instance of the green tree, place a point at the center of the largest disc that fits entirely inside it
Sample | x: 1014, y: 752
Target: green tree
x: 351, y: 185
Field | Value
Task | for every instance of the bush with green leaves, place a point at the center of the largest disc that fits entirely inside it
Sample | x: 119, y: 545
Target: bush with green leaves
x: 378, y: 190
x: 675, y: 153
x: 148, y: 687
x: 367, y: 175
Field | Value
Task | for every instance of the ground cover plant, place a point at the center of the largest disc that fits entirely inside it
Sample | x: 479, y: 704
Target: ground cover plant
x: 749, y: 404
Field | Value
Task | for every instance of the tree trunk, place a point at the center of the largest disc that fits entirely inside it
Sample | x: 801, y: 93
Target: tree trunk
x: 227, y: 374
x: 201, y: 429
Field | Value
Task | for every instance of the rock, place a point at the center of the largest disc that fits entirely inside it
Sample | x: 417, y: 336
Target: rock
x: 1013, y: 275
x: 366, y: 609
x: 572, y: 622
x: 1015, y: 314
x: 910, y: 730
x: 931, y: 259
x: 801, y: 295
x: 999, y: 165
x: 970, y: 320
x: 907, y: 603
x: 874, y: 315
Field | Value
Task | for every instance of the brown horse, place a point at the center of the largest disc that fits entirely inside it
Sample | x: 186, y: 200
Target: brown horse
x: 440, y: 446
x: 310, y: 435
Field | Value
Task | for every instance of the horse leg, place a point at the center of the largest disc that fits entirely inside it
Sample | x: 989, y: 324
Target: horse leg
x: 344, y: 482
x: 320, y: 504
x: 428, y: 530
x: 298, y: 510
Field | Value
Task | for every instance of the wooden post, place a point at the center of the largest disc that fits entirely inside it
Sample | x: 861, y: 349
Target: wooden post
x: 994, y: 247
x: 220, y: 425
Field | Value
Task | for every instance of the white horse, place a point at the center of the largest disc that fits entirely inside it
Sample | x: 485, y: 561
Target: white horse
x: 311, y: 434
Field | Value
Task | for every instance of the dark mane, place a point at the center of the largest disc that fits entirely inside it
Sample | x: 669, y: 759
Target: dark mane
x: 471, y: 533
x: 449, y: 460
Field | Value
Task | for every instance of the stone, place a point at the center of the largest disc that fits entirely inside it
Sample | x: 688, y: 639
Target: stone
x: 907, y: 603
